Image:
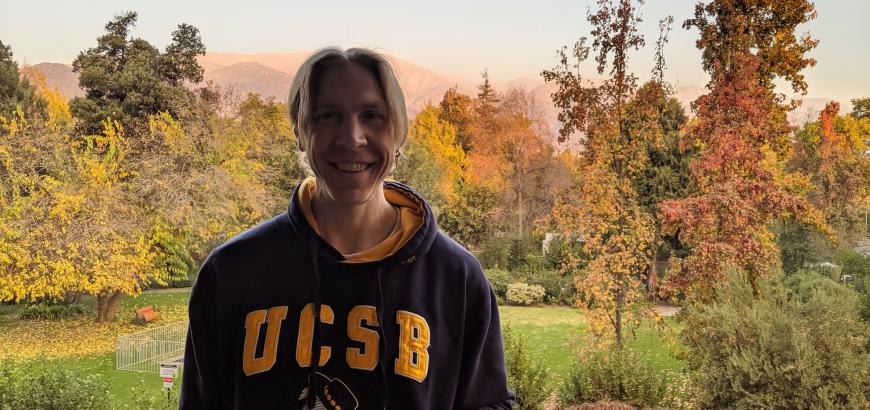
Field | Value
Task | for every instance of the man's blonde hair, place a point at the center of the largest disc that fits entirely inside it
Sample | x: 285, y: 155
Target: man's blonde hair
x: 302, y: 91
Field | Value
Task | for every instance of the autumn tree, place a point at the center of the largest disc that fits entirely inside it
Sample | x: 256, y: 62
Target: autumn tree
x: 71, y: 220
x: 471, y: 216
x: 79, y: 215
x: 833, y: 153
x: 457, y: 109
x: 432, y: 161
x: 129, y: 79
x: 605, y: 208
x: 209, y: 178
x: 743, y: 136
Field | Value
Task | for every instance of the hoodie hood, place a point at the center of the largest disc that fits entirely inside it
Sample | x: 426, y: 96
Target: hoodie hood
x: 396, y: 193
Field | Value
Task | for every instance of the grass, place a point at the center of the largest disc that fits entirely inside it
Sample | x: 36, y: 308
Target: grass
x: 552, y: 333
x: 87, y: 347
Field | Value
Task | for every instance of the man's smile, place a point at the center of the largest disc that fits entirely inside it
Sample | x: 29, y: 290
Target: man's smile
x: 352, y: 166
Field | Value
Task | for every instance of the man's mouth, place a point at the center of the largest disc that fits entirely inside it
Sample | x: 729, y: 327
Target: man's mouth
x: 352, y: 166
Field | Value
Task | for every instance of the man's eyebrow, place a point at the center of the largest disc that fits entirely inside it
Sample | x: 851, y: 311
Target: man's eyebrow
x: 379, y: 105
x: 326, y: 106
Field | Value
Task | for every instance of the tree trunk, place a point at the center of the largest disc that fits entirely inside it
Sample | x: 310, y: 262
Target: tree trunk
x: 653, y: 279
x: 618, y: 325
x: 107, y: 305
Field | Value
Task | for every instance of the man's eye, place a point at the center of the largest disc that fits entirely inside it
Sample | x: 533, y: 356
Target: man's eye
x: 374, y: 116
x: 326, y: 116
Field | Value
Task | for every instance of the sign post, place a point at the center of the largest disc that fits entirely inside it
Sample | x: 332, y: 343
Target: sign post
x: 168, y: 371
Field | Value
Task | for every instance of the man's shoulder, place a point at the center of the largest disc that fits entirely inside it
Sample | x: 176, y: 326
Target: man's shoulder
x: 453, y: 257
x: 266, y: 237
x: 444, y: 247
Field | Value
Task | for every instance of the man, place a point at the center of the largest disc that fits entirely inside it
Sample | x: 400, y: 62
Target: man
x: 352, y: 298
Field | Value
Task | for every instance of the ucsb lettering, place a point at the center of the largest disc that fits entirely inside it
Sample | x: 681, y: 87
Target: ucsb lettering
x: 412, y: 361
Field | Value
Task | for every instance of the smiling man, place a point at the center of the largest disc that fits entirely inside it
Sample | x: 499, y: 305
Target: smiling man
x: 352, y: 299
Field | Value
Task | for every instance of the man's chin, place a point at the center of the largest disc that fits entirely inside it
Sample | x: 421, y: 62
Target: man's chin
x: 352, y: 196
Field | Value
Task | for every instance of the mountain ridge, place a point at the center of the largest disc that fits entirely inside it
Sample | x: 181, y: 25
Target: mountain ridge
x: 271, y: 74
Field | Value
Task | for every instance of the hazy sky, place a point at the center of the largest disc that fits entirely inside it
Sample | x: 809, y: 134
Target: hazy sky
x: 511, y: 38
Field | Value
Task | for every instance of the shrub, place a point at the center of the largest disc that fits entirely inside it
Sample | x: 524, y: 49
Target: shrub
x: 499, y: 279
x: 558, y: 288
x: 864, y: 308
x: 793, y: 343
x: 526, y: 377
x: 147, y: 400
x: 856, y: 265
x: 615, y: 374
x: 8, y: 377
x: 51, y: 387
x: 42, y: 311
x: 524, y: 294
x: 496, y: 252
x: 561, y: 250
x: 826, y: 269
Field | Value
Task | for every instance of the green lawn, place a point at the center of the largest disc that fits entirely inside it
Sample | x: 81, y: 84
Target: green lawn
x: 62, y: 341
x: 552, y: 333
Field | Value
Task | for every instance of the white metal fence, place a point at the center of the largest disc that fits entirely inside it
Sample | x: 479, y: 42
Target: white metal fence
x: 144, y: 351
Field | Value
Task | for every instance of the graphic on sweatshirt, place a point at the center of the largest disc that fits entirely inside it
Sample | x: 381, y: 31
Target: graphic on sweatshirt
x: 331, y: 394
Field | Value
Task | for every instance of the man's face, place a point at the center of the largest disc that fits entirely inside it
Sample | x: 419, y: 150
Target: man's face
x: 351, y: 146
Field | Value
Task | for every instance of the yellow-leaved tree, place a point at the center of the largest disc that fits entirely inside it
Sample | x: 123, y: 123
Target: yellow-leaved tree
x: 433, y: 161
x: 71, y: 221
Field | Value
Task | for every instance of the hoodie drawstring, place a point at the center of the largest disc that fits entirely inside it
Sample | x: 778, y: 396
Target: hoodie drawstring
x: 382, y: 346
x: 316, y: 342
x: 312, y: 388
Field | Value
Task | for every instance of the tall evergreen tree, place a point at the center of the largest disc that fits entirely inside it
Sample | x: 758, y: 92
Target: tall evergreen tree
x: 15, y: 90
x: 129, y: 79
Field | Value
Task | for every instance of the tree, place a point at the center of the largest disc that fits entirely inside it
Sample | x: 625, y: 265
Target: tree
x: 78, y: 214
x: 742, y: 133
x: 129, y: 79
x: 456, y: 109
x: 657, y: 116
x: 485, y: 124
x: 763, y: 28
x: 617, y: 233
x: 833, y: 153
x: 15, y: 90
x: 433, y: 161
x: 72, y: 224
x: 861, y: 108
x: 470, y: 218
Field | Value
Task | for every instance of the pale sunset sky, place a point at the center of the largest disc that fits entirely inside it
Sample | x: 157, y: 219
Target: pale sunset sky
x: 510, y: 38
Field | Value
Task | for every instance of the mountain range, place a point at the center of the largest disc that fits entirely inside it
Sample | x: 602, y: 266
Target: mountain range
x: 270, y: 75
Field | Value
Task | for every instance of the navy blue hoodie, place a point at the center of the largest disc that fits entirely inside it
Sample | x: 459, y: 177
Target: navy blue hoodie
x: 418, y: 329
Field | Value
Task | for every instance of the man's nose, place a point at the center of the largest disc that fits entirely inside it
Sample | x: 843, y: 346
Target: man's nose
x: 352, y: 134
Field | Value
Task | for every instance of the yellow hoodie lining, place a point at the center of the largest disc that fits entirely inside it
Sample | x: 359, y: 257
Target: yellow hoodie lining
x: 411, y: 216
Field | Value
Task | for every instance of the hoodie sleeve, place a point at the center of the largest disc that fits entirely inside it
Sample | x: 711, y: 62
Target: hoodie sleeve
x: 202, y: 383
x: 483, y: 377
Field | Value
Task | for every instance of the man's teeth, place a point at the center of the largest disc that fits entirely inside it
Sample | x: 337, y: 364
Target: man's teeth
x: 352, y: 166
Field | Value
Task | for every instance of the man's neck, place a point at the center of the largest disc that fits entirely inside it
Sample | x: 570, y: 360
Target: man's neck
x: 352, y: 229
